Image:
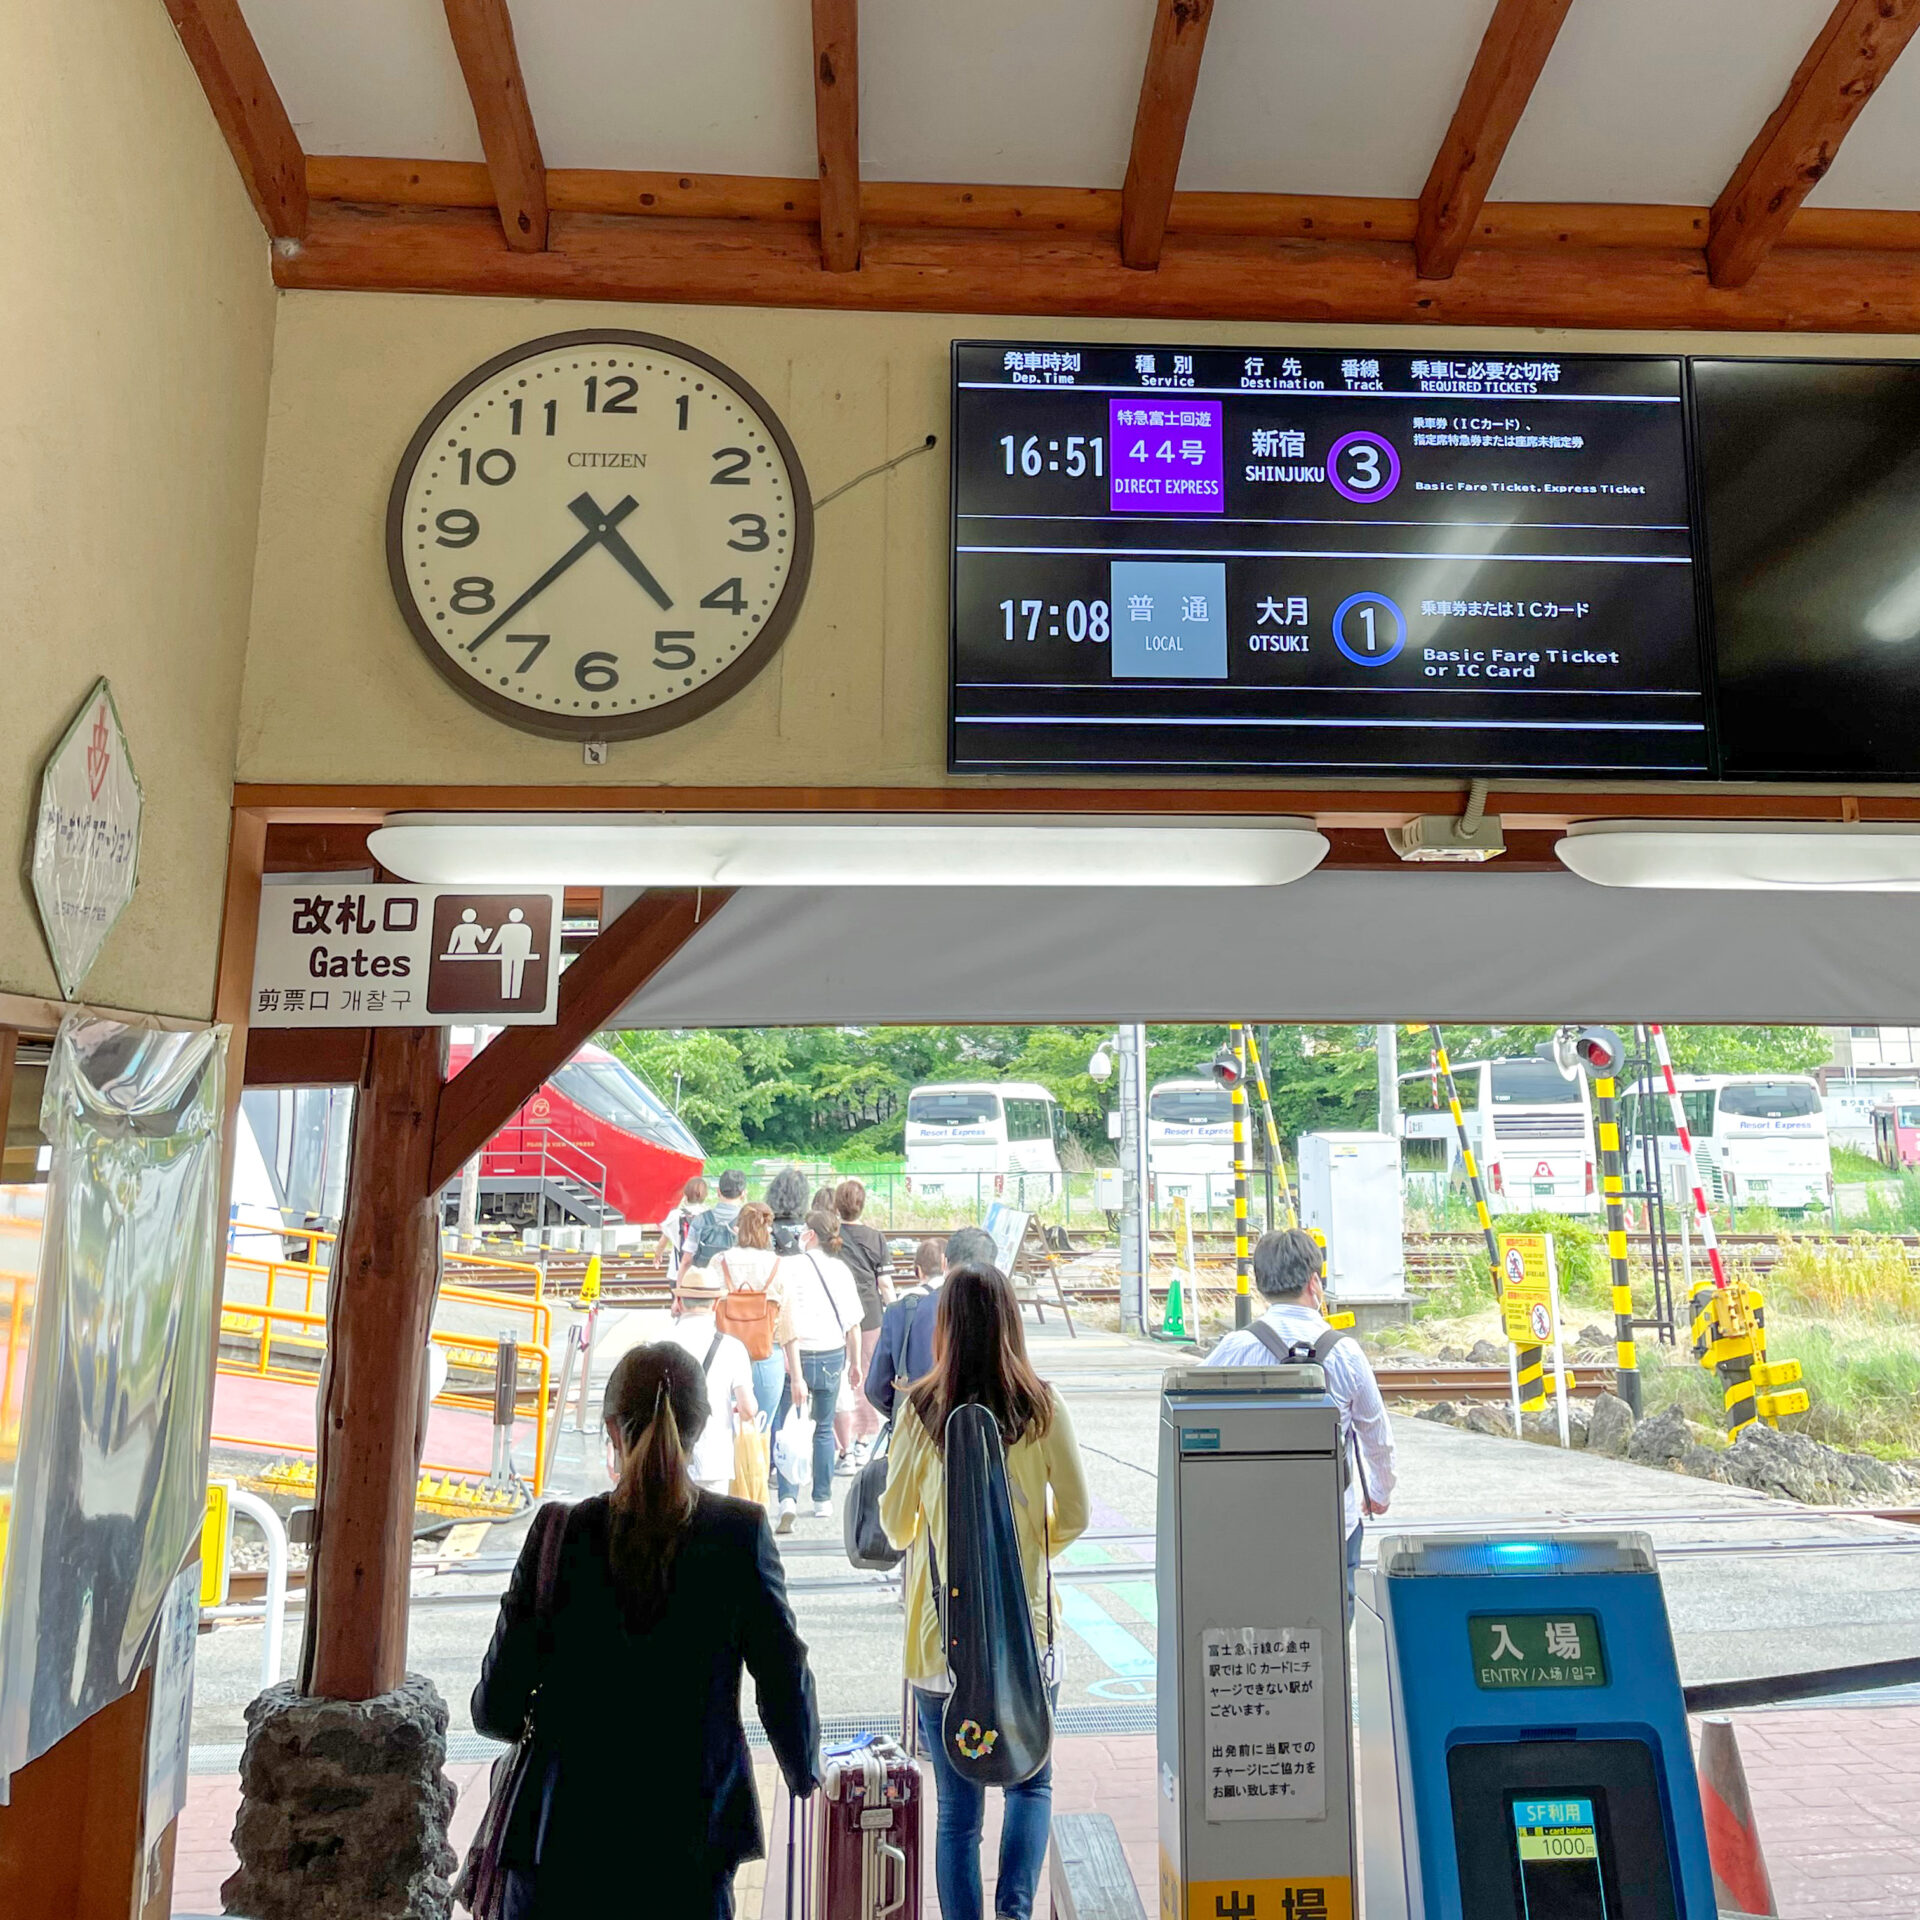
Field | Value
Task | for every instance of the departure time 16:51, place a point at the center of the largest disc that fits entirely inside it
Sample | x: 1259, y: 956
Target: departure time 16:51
x: 1076, y: 455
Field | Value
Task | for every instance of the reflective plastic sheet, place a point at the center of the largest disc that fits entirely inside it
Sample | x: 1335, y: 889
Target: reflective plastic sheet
x: 110, y: 1481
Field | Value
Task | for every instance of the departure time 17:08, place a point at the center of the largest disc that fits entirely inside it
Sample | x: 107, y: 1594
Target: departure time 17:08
x: 1085, y: 619
x: 1076, y: 455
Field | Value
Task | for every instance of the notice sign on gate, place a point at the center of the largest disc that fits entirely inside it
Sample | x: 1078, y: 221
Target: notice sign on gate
x: 1526, y: 1288
x: 1265, y: 1723
x: 342, y: 954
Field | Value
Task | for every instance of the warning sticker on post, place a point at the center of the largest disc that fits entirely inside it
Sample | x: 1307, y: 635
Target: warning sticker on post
x: 1266, y: 1723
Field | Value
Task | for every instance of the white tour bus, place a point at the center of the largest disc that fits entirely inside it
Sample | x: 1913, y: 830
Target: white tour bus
x: 1190, y: 1141
x: 1532, y: 1135
x: 983, y: 1140
x: 1761, y: 1138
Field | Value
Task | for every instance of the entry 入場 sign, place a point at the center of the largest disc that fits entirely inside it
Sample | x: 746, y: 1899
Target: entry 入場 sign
x: 343, y: 954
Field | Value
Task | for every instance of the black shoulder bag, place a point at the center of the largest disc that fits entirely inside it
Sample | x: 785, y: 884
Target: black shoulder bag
x: 868, y: 1547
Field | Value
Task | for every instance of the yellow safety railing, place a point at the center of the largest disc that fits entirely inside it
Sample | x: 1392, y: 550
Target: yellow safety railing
x: 316, y: 1238
x: 13, y: 1359
x: 308, y: 1336
x: 312, y: 1280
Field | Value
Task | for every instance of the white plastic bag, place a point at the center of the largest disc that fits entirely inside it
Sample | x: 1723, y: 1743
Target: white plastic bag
x: 844, y: 1401
x: 793, y: 1448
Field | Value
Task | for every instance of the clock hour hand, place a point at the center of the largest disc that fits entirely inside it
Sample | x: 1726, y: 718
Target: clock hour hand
x: 590, y: 515
x: 600, y: 526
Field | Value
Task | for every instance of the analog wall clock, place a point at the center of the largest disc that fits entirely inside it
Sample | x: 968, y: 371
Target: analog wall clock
x: 600, y: 535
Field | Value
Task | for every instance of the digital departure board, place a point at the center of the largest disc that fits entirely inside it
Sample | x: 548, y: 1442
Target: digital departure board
x: 1233, y: 560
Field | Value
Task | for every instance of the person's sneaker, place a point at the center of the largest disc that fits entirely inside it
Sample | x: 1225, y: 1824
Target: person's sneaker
x: 788, y: 1508
x: 846, y: 1463
x: 823, y: 1509
x: 862, y: 1451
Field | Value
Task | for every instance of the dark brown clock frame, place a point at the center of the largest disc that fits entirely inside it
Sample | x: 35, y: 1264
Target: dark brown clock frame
x: 731, y: 679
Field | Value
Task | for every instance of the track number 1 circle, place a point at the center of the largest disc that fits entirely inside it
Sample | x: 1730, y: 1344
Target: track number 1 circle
x: 1369, y: 629
x: 1363, y: 467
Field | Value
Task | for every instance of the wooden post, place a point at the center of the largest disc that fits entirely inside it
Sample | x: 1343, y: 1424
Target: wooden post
x: 379, y: 1311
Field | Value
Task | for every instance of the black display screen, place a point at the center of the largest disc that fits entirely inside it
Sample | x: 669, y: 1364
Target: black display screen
x: 1809, y: 475
x: 1234, y: 560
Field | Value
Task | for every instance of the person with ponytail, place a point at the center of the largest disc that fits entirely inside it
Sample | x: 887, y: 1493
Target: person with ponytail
x: 640, y: 1799
x: 980, y: 1359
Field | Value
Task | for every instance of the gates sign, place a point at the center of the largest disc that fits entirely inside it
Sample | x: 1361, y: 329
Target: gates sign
x: 344, y: 954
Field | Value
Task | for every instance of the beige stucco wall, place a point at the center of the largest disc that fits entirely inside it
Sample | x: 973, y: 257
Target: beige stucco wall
x: 136, y: 335
x: 337, y: 691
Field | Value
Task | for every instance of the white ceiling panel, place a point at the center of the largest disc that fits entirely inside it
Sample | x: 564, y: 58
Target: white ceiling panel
x: 1328, y: 96
x: 1655, y: 100
x: 1879, y: 163
x: 1000, y: 91
x: 368, y: 76
x: 722, y: 87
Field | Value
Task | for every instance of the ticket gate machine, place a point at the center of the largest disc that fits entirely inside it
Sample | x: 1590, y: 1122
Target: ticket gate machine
x: 1524, y: 1744
x: 1255, y: 1747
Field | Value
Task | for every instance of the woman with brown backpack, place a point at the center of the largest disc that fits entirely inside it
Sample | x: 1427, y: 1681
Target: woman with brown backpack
x: 749, y: 1309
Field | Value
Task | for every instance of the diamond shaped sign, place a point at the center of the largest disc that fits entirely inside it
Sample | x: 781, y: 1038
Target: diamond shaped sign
x: 86, y: 838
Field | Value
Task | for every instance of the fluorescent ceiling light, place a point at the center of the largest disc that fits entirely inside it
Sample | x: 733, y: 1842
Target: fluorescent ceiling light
x: 1745, y: 855
x: 845, y: 850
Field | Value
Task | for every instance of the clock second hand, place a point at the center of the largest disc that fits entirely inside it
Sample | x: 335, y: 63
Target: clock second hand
x: 597, y: 533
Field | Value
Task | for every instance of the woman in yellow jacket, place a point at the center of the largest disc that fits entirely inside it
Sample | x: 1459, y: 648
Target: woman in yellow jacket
x: 980, y: 1356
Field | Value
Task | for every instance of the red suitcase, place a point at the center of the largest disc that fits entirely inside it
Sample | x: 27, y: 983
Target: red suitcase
x: 859, y: 1838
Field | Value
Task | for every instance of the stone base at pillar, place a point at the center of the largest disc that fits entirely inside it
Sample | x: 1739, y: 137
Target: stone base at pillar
x: 344, y: 1808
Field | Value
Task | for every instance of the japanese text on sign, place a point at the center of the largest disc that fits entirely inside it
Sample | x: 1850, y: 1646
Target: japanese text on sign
x: 1266, y: 1723
x: 1536, y: 1650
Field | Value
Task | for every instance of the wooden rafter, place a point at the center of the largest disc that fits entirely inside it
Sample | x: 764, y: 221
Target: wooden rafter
x: 1513, y: 50
x: 836, y: 116
x: 483, y: 39
x: 1160, y: 127
x: 481, y: 1099
x: 249, y: 110
x: 1854, y: 53
x: 1201, y: 276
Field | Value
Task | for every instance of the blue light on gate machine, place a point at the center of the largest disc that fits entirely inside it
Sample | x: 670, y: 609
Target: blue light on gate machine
x: 1527, y: 1553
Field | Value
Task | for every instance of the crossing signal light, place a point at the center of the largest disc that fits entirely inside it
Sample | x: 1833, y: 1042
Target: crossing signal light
x: 1227, y: 1069
x: 1600, y: 1051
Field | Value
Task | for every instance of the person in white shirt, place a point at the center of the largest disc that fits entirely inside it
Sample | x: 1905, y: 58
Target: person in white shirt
x: 819, y: 1331
x: 729, y: 1382
x: 1287, y: 1268
x: 673, y: 1229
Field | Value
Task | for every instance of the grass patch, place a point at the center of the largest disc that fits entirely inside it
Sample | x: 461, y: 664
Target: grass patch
x: 1851, y: 1165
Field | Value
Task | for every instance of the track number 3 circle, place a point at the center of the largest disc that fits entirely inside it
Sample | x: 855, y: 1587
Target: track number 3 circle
x: 1363, y: 467
x: 1369, y: 629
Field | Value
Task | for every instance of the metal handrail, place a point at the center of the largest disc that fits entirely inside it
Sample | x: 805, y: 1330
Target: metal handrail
x: 550, y: 1142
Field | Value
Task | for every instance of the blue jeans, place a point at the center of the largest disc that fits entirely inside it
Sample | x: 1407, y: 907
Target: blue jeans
x: 1025, y: 1822
x: 821, y: 1372
x: 769, y: 1377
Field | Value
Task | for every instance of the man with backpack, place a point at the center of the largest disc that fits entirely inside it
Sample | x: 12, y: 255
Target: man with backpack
x: 712, y: 1231
x: 904, y: 1350
x: 1287, y: 1268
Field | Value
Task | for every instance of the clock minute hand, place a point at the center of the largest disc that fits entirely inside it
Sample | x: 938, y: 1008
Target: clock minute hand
x: 598, y: 530
x: 615, y: 543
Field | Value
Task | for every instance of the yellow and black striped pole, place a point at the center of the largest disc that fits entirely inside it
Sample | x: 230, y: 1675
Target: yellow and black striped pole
x: 1530, y: 1363
x: 1613, y: 1187
x: 1274, y: 1159
x: 1242, y: 1271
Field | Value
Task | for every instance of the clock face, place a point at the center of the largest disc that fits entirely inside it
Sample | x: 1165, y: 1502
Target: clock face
x: 600, y: 535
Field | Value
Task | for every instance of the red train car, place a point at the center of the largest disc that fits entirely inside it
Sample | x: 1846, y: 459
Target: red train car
x: 595, y: 1146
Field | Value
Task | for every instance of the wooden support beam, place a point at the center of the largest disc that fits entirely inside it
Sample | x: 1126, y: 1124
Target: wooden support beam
x: 1202, y: 275
x: 245, y: 102
x: 483, y: 39
x: 306, y: 1056
x: 1160, y: 127
x: 1513, y: 50
x: 836, y: 119
x: 1854, y: 53
x: 619, y: 961
x: 372, y: 1426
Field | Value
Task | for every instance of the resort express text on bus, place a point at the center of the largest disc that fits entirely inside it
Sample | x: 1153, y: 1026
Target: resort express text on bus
x: 1761, y: 1139
x: 1190, y: 1142
x: 976, y: 1141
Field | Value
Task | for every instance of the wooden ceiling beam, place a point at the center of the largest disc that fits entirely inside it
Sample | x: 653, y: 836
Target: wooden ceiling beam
x: 1160, y: 127
x: 1201, y: 276
x: 249, y: 109
x: 482, y: 33
x: 1790, y: 154
x: 836, y: 119
x: 1092, y: 210
x: 617, y: 962
x: 1513, y: 50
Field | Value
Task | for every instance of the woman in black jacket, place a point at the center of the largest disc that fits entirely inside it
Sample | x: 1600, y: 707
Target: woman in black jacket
x: 640, y: 1798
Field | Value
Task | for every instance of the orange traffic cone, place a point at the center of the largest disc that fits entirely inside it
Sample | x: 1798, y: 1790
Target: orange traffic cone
x: 1733, y: 1844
